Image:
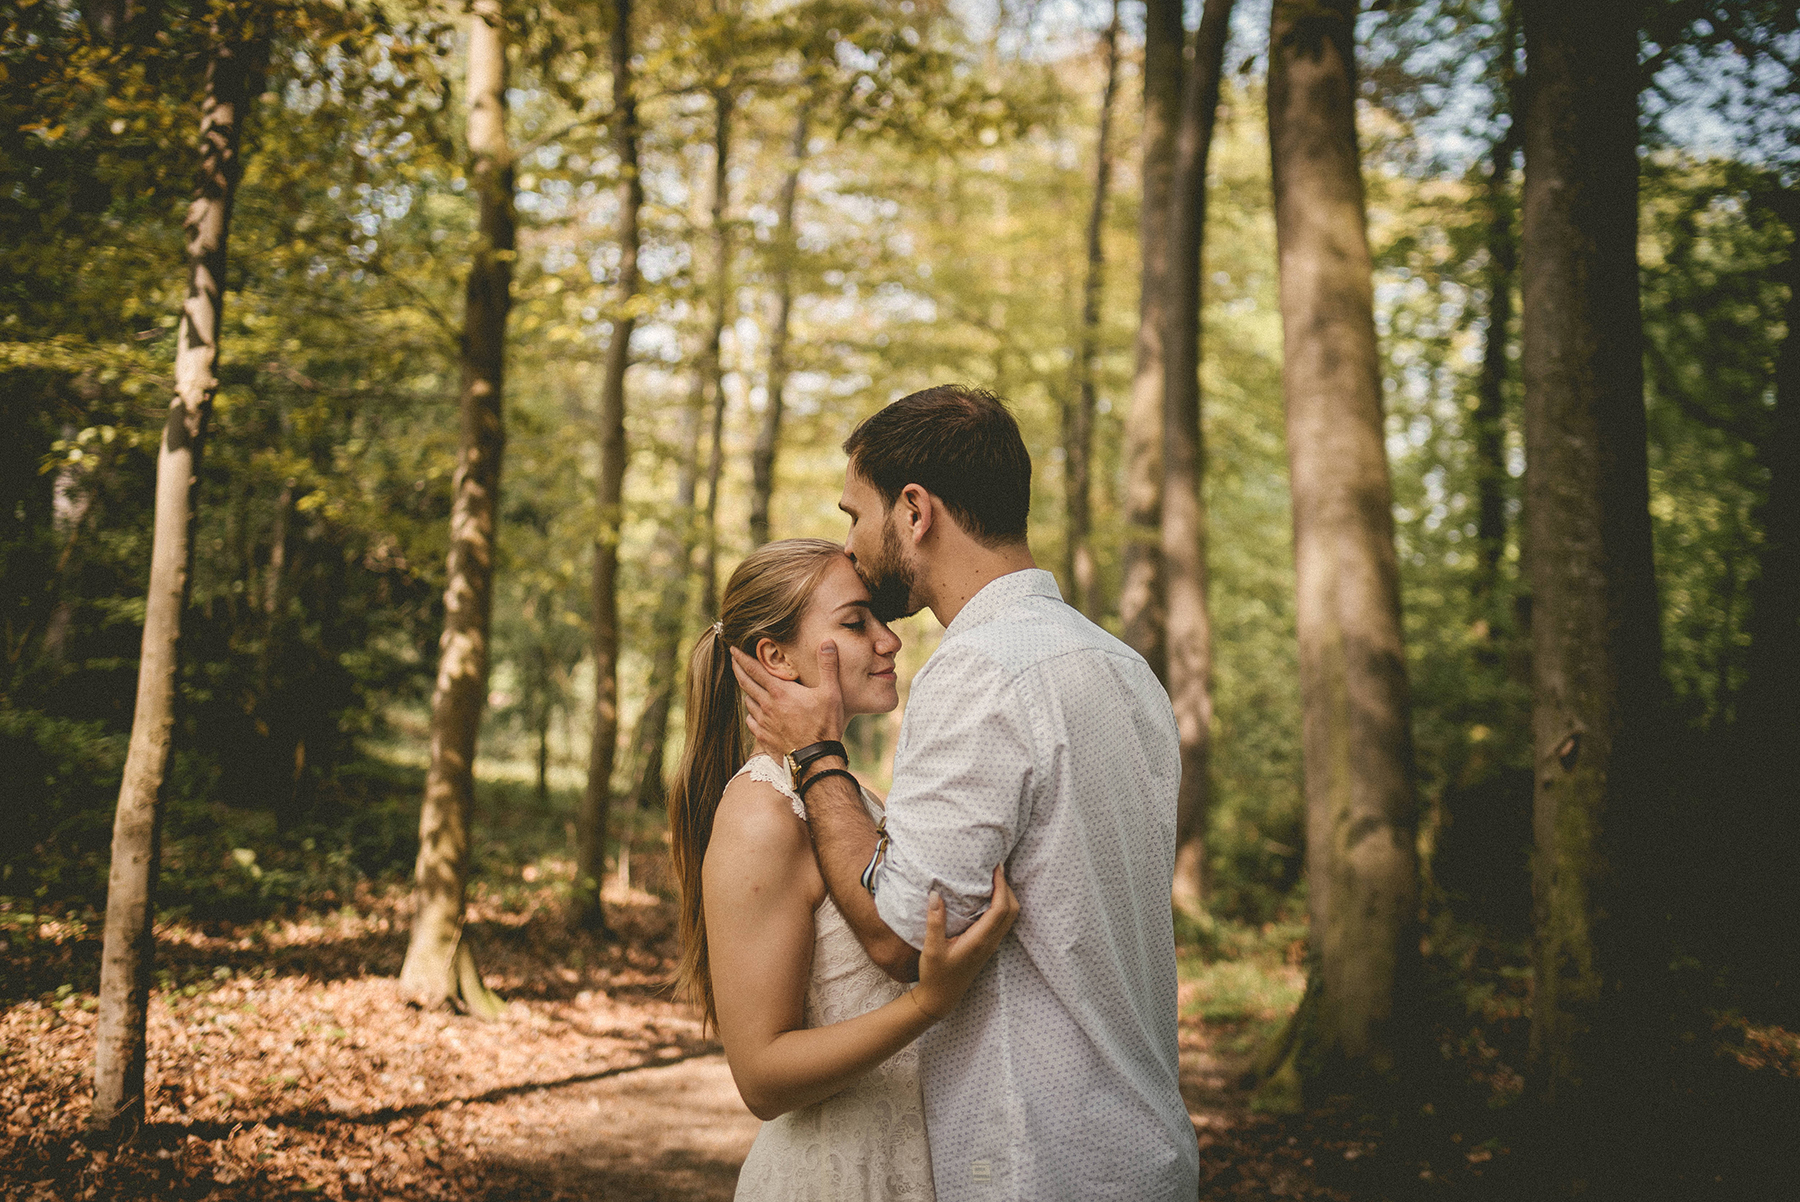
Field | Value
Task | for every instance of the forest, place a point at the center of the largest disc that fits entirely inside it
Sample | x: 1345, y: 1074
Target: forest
x: 387, y: 388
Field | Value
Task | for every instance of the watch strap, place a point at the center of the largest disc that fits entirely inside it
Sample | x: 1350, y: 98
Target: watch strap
x: 798, y: 759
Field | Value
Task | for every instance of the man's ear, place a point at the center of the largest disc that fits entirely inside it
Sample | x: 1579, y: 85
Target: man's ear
x: 915, y: 505
x: 770, y: 655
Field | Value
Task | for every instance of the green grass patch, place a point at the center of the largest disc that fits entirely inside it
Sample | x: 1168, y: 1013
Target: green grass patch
x: 1251, y: 990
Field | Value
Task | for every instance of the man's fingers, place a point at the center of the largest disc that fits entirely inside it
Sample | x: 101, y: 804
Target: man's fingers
x: 828, y: 668
x: 753, y: 678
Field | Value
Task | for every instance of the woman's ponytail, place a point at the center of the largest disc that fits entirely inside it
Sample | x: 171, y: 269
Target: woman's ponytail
x: 713, y: 753
x: 765, y: 599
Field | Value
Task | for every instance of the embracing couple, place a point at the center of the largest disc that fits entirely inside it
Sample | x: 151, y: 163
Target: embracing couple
x: 1019, y: 871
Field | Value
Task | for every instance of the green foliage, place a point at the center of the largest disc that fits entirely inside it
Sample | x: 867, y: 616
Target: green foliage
x: 940, y: 216
x: 1713, y: 314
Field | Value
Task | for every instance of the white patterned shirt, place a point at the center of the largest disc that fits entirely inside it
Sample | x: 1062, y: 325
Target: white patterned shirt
x: 1034, y: 737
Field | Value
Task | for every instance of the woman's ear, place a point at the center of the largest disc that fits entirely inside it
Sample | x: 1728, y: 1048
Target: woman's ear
x: 770, y: 655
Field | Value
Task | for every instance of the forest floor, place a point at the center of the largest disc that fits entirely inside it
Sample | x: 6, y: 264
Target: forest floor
x: 282, y: 1065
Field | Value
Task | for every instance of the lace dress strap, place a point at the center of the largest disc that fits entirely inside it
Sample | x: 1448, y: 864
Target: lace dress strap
x: 765, y: 769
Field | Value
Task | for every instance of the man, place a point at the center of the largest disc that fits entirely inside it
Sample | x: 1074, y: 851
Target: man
x: 1034, y: 738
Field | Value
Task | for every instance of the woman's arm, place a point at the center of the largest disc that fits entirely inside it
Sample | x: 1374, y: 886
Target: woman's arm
x: 761, y: 887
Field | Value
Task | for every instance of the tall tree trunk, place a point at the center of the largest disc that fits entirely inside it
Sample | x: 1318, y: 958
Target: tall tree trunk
x: 1141, y: 589
x: 677, y: 540
x: 768, y: 435
x: 715, y: 363
x: 1768, y: 711
x: 233, y: 80
x: 1189, y: 629
x: 1362, y: 870
x: 1490, y: 394
x: 1078, y: 415
x: 275, y: 578
x: 439, y: 968
x: 674, y: 566
x: 596, y: 799
x: 71, y: 500
x: 1771, y: 704
x: 1596, y: 649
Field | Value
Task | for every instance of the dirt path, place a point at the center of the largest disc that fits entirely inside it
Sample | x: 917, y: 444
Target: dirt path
x: 671, y: 1133
x: 677, y: 1133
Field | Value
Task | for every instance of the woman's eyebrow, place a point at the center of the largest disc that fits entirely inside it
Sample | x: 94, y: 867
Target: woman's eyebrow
x: 854, y: 605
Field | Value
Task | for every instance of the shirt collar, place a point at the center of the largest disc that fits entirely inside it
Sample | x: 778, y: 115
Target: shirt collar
x: 1000, y: 592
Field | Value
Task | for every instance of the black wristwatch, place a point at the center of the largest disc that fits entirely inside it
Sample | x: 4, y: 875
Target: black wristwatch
x: 797, y: 761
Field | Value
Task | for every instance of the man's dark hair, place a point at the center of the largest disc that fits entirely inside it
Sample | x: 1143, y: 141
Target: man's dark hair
x: 960, y: 445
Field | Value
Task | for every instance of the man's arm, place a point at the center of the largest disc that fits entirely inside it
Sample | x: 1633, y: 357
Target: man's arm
x: 962, y: 791
x: 788, y: 714
x: 845, y: 841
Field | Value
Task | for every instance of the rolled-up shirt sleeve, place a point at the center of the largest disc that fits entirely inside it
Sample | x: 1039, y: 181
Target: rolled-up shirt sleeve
x: 961, y: 795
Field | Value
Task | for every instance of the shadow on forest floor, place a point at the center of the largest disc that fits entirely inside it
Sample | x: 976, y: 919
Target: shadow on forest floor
x: 283, y: 1065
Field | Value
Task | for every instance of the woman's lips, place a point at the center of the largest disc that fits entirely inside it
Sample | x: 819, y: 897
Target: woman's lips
x: 884, y: 674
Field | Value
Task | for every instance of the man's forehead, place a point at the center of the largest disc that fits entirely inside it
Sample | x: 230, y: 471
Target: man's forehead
x: 855, y: 488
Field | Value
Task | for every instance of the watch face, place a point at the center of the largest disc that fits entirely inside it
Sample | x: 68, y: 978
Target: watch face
x: 792, y: 767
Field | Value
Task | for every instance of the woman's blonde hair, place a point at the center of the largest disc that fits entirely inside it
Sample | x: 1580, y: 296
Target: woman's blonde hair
x: 765, y: 599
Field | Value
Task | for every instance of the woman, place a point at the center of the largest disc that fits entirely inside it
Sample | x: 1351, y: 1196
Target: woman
x: 818, y: 1037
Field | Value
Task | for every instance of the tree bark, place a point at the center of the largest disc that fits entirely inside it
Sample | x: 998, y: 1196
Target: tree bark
x: 1189, y: 627
x: 677, y: 540
x: 1362, y: 869
x: 714, y: 364
x: 596, y: 801
x: 1078, y: 416
x: 439, y: 967
x: 768, y: 435
x: 1490, y: 394
x: 674, y: 566
x: 1141, y: 587
x: 71, y: 500
x: 1596, y: 649
x: 233, y: 80
x: 1771, y: 704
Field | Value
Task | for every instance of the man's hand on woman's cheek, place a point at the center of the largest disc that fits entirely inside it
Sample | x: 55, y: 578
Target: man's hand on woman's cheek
x: 786, y: 714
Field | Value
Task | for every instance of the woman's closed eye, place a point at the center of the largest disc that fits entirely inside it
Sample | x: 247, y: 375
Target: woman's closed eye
x: 858, y: 624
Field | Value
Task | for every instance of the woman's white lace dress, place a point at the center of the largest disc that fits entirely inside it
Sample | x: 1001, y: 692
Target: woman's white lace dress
x: 868, y: 1140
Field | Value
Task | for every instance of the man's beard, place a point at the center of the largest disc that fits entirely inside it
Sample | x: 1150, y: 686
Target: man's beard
x: 889, y: 579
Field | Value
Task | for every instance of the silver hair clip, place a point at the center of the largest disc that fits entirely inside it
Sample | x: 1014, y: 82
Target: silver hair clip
x: 719, y: 629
